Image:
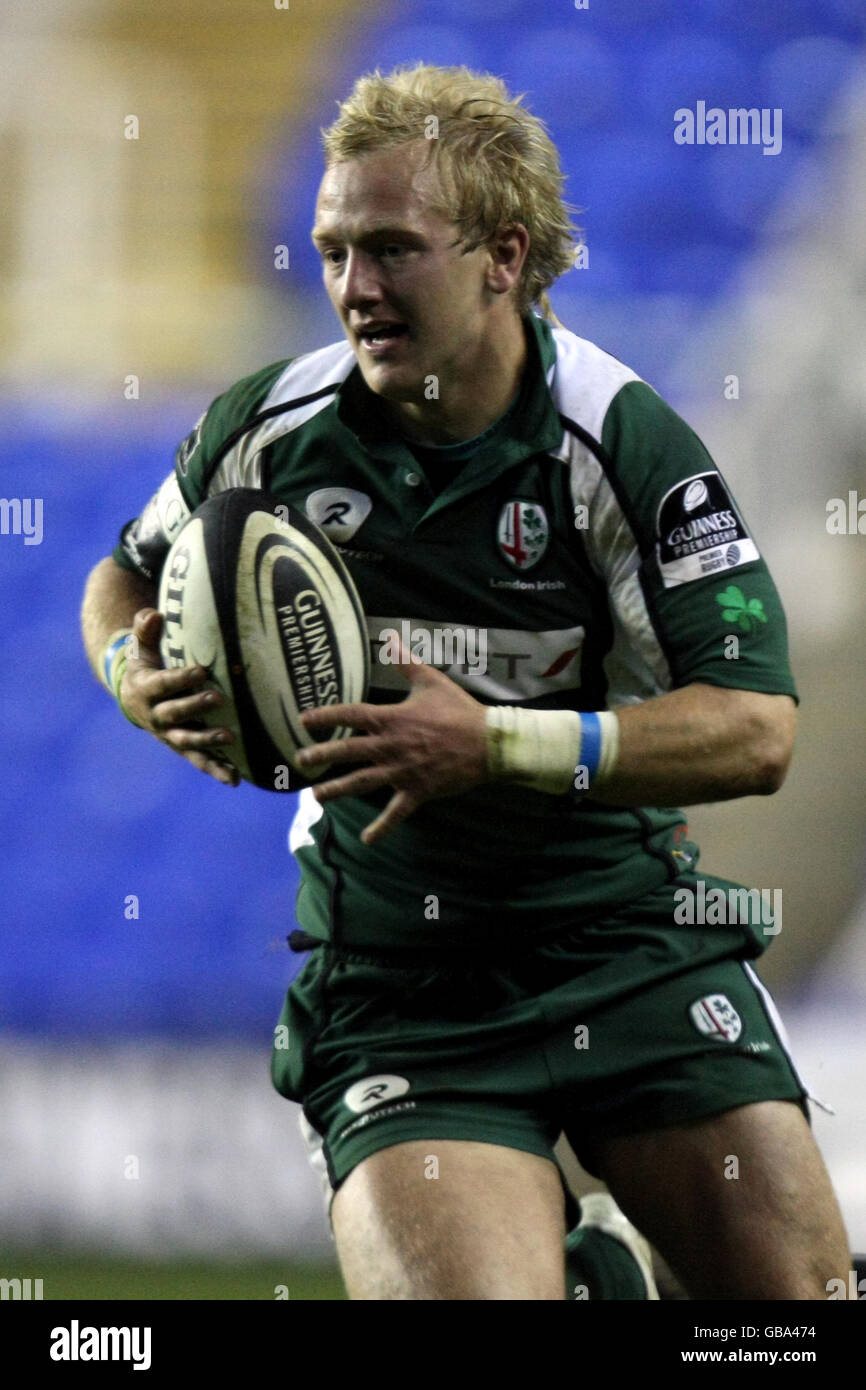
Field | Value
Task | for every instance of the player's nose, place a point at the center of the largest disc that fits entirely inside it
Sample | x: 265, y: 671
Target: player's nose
x: 360, y: 284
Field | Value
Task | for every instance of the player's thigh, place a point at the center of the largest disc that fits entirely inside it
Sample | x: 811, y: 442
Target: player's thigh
x: 451, y: 1219
x: 740, y: 1205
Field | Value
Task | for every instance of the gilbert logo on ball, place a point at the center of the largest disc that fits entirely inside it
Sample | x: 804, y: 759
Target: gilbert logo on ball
x: 255, y: 593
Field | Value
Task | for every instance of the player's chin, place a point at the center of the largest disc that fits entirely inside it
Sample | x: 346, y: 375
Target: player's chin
x: 396, y: 381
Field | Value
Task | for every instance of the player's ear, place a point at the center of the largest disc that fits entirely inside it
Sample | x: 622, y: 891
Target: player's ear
x: 507, y: 252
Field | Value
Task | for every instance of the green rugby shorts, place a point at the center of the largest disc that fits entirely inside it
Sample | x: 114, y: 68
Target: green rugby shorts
x: 626, y: 1023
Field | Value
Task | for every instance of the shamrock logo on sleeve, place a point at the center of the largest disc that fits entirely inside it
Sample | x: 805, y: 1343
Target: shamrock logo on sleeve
x: 736, y: 608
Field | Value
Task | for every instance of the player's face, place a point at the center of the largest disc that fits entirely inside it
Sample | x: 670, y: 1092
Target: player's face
x: 411, y: 303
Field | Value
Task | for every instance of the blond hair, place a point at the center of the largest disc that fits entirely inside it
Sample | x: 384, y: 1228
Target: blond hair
x: 496, y: 162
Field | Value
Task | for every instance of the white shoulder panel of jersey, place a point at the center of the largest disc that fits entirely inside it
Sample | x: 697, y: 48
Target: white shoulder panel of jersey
x: 328, y: 366
x: 583, y: 383
x: 636, y: 666
x: 311, y: 372
x: 584, y: 380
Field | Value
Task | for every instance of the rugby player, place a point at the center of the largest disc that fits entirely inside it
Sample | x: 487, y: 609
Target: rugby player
x: 491, y: 868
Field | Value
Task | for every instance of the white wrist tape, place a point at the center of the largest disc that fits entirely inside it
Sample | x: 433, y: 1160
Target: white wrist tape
x: 552, y: 750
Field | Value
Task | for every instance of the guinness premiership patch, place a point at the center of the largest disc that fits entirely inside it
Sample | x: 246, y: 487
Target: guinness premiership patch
x: 699, y: 531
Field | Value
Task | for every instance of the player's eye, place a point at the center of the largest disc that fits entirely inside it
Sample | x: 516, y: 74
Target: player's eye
x: 331, y: 256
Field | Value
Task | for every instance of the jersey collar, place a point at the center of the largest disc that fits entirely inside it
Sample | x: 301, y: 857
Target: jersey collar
x: 534, y: 427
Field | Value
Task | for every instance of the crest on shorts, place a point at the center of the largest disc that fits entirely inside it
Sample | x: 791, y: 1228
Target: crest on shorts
x: 716, y: 1017
x: 523, y: 533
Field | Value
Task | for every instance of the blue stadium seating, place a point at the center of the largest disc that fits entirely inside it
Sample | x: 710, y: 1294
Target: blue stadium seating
x: 607, y: 81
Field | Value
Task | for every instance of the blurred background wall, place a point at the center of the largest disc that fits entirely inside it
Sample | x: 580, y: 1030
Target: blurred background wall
x: 154, y: 157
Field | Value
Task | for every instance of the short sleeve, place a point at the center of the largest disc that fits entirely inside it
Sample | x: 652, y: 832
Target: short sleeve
x: 704, y: 588
x: 145, y: 540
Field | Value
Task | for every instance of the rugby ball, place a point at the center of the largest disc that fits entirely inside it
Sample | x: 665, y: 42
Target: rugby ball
x: 255, y: 593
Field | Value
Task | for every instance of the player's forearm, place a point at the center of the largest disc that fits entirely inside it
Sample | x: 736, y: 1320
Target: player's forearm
x: 112, y: 597
x: 701, y: 743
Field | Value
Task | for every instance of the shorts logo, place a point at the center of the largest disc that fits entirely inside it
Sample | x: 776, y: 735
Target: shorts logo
x: 716, y: 1017
x: 373, y: 1090
x: 523, y: 534
x: 339, y: 511
x: 699, y: 531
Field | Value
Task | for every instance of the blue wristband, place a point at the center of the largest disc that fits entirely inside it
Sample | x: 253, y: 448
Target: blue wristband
x: 590, y: 743
x: 111, y: 653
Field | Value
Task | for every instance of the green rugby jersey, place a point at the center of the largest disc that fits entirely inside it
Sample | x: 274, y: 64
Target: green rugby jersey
x: 590, y: 541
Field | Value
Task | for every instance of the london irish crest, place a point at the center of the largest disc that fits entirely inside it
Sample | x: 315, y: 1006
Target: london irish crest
x: 523, y: 533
